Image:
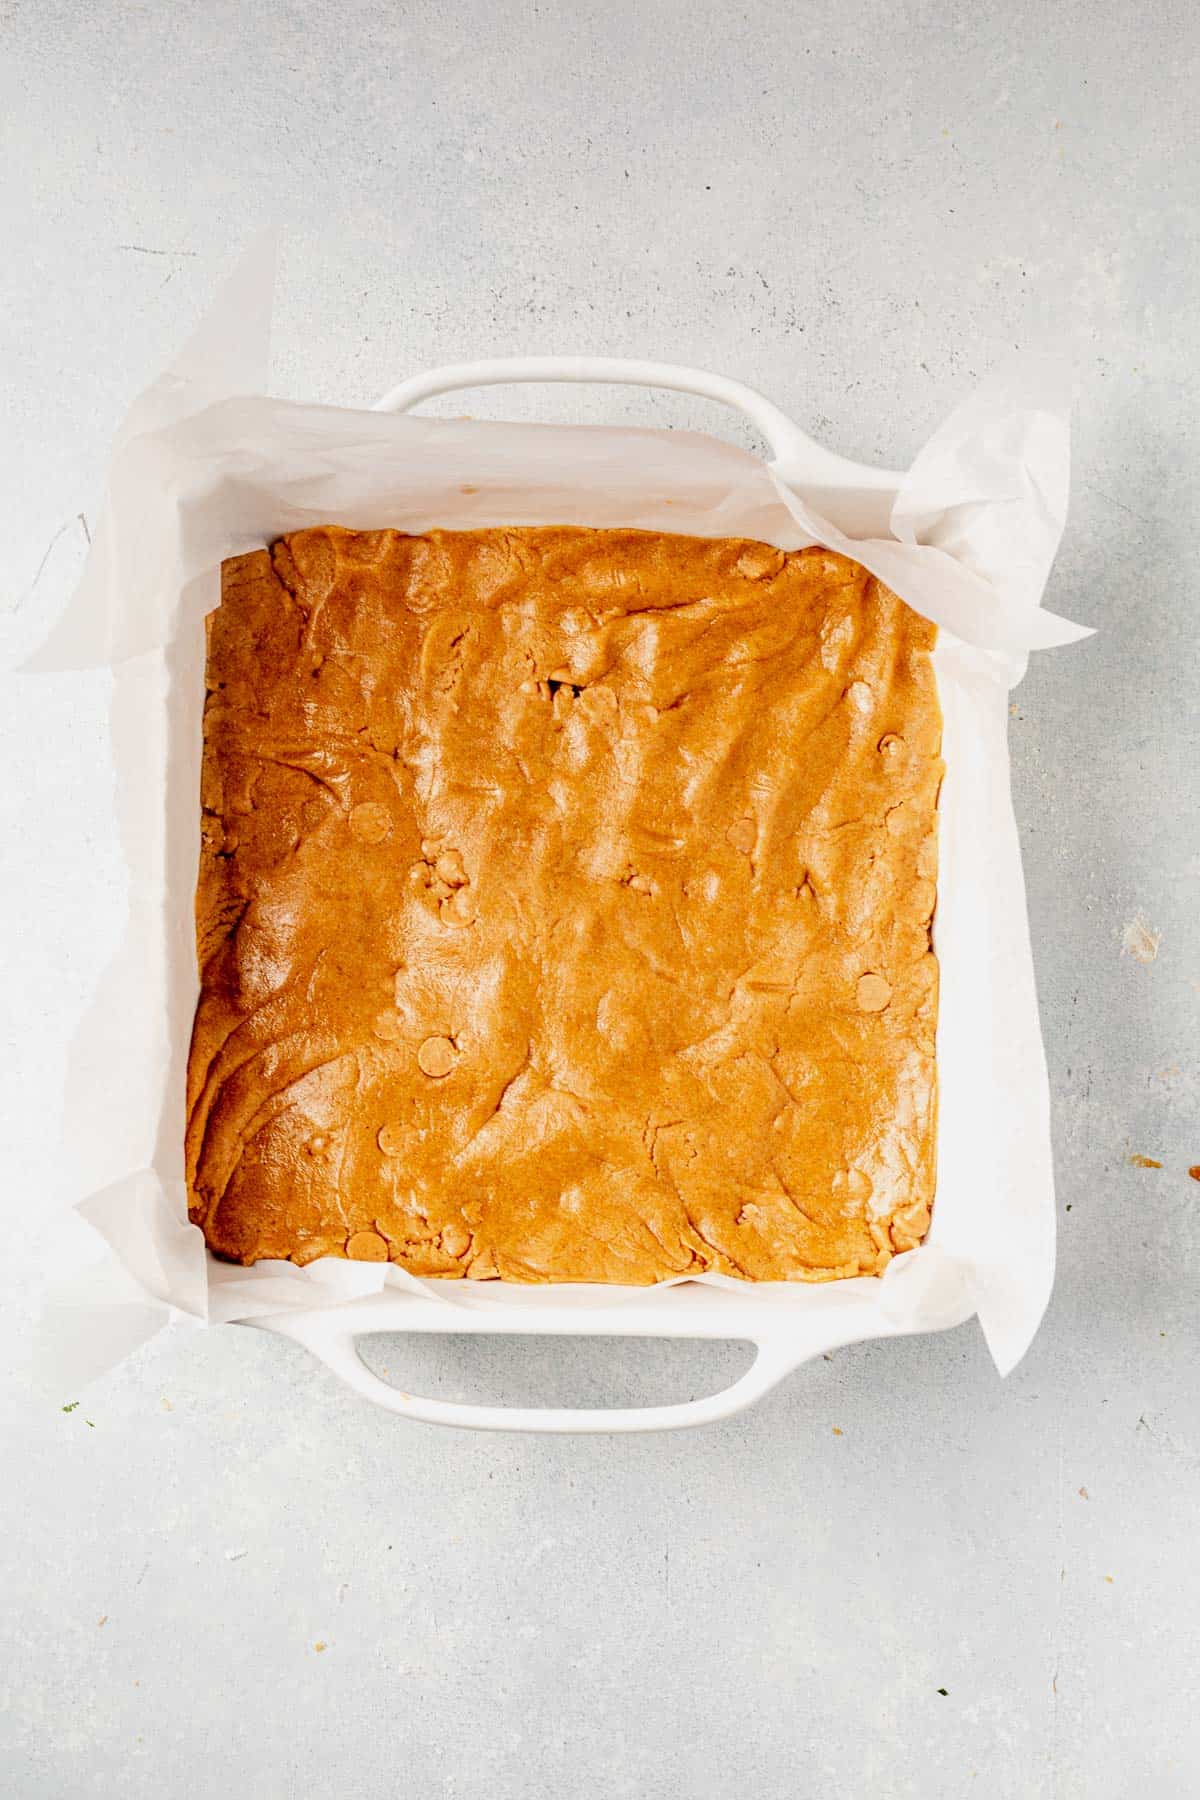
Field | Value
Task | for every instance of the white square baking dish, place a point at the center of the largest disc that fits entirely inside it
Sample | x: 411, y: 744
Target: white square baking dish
x: 966, y: 537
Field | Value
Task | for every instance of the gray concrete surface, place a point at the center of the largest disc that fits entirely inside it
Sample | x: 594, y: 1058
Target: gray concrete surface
x: 857, y: 206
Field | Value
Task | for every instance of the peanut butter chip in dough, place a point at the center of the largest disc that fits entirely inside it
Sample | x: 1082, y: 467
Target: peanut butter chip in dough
x: 388, y: 1027
x: 449, y: 867
x: 391, y: 1139
x: 370, y: 822
x: 458, y: 908
x: 742, y: 835
x: 918, y: 902
x: 366, y: 1246
x: 436, y: 1057
x: 873, y: 993
x: 455, y: 1239
x: 758, y: 561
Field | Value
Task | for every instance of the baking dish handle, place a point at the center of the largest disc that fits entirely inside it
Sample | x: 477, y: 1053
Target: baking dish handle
x: 796, y: 459
x: 335, y: 1343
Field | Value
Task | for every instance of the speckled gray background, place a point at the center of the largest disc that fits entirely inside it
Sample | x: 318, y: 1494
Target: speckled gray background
x: 858, y: 207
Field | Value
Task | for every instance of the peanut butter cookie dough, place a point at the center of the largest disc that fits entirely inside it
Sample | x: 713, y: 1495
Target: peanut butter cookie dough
x: 564, y: 908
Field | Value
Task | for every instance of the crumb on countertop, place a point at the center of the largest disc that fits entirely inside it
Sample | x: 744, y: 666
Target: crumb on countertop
x: 1138, y: 941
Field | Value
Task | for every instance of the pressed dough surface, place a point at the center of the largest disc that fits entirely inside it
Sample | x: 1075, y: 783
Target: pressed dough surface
x: 564, y: 908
